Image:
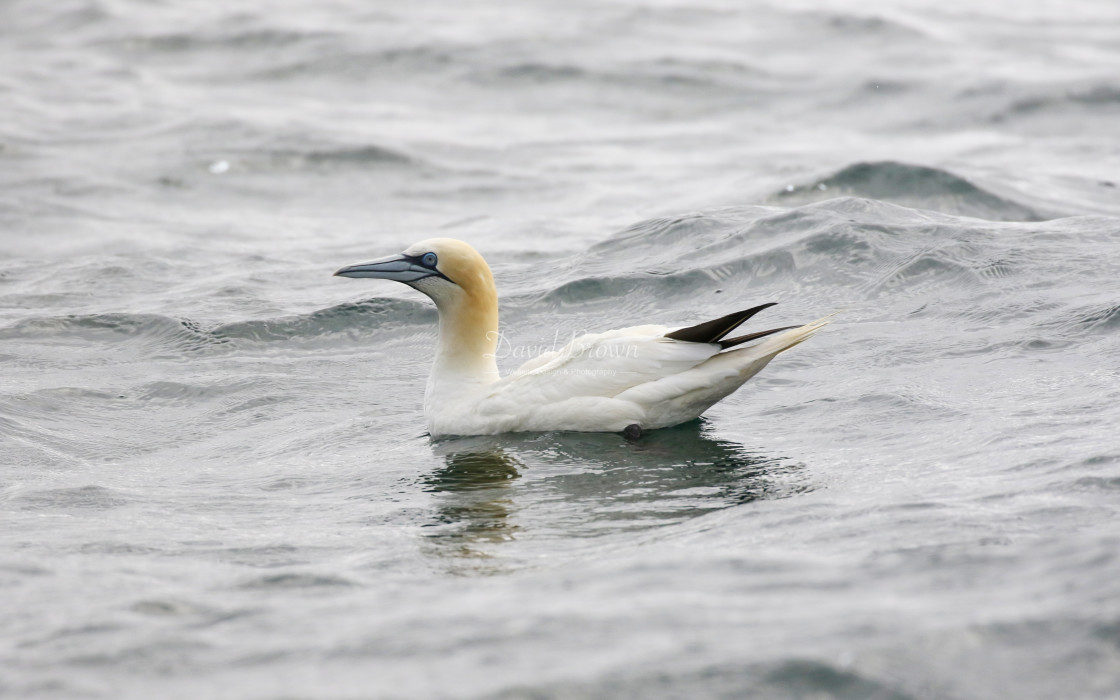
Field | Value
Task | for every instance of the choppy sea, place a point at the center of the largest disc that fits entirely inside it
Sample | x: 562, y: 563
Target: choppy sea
x: 214, y: 476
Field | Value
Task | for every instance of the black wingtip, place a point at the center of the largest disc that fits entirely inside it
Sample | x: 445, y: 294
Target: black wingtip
x: 732, y: 342
x: 713, y: 331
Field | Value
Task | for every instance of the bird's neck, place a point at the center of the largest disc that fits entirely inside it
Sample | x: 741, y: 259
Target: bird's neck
x: 468, y: 338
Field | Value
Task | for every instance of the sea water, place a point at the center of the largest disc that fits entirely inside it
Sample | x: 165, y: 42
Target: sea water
x: 214, y: 474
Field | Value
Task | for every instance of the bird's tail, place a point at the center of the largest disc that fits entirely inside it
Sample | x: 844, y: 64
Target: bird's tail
x: 750, y: 360
x: 684, y: 396
x: 784, y: 341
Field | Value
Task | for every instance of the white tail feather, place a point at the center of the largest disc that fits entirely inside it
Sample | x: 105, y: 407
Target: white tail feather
x: 784, y: 341
x: 684, y: 396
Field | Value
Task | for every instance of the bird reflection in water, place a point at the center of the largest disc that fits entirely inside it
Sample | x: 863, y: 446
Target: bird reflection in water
x: 592, y: 484
x: 476, y: 505
x: 666, y: 477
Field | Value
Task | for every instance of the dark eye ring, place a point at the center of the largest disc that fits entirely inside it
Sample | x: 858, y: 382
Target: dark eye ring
x: 429, y: 259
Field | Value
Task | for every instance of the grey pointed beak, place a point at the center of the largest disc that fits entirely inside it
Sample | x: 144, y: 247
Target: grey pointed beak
x: 393, y: 267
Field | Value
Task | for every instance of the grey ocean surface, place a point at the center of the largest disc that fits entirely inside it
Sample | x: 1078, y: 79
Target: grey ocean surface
x: 214, y: 476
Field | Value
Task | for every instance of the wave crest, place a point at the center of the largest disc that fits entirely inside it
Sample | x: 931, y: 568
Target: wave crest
x: 916, y: 186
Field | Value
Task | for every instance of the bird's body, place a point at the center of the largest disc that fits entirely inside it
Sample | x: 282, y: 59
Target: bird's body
x: 648, y: 376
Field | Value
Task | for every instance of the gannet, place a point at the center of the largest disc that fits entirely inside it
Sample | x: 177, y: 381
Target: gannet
x: 626, y: 380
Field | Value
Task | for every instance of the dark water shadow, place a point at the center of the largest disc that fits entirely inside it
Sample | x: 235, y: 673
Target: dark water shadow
x: 563, y: 485
x: 476, y: 502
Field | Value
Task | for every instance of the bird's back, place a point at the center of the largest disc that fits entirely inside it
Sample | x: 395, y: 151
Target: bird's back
x: 608, y: 381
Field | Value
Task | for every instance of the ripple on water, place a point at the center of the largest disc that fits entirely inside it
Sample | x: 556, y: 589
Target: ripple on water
x: 91, y: 497
x: 299, y: 580
x: 122, y: 338
x: 793, y: 678
x: 349, y: 320
x: 496, y: 489
x: 917, y: 186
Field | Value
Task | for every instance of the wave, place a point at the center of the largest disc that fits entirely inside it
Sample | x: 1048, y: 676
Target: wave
x: 91, y: 497
x: 874, y: 257
x: 146, y: 329
x: 235, y: 143
x: 349, y: 319
x: 157, y: 335
x: 839, y: 253
x: 224, y: 39
x: 783, y: 677
x: 1092, y: 96
x: 765, y: 242
x: 331, y: 63
x: 661, y: 77
x: 915, y: 186
x: 369, y: 158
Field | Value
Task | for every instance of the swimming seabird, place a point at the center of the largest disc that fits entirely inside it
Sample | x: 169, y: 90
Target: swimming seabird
x: 626, y: 380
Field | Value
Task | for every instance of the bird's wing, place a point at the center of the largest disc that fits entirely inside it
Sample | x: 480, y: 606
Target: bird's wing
x: 599, y: 365
x: 673, y: 398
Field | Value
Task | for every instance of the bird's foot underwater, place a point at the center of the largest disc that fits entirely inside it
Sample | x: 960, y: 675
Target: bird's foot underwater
x: 632, y: 432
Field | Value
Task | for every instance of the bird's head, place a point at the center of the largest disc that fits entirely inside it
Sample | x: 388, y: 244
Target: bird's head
x: 445, y: 269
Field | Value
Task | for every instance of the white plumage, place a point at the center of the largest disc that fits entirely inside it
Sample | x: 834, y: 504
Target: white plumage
x: 630, y: 379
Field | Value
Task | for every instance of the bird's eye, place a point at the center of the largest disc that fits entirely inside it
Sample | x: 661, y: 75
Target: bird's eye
x: 429, y: 259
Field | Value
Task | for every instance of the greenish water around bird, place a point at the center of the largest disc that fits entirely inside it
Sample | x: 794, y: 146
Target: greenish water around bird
x: 214, y: 476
